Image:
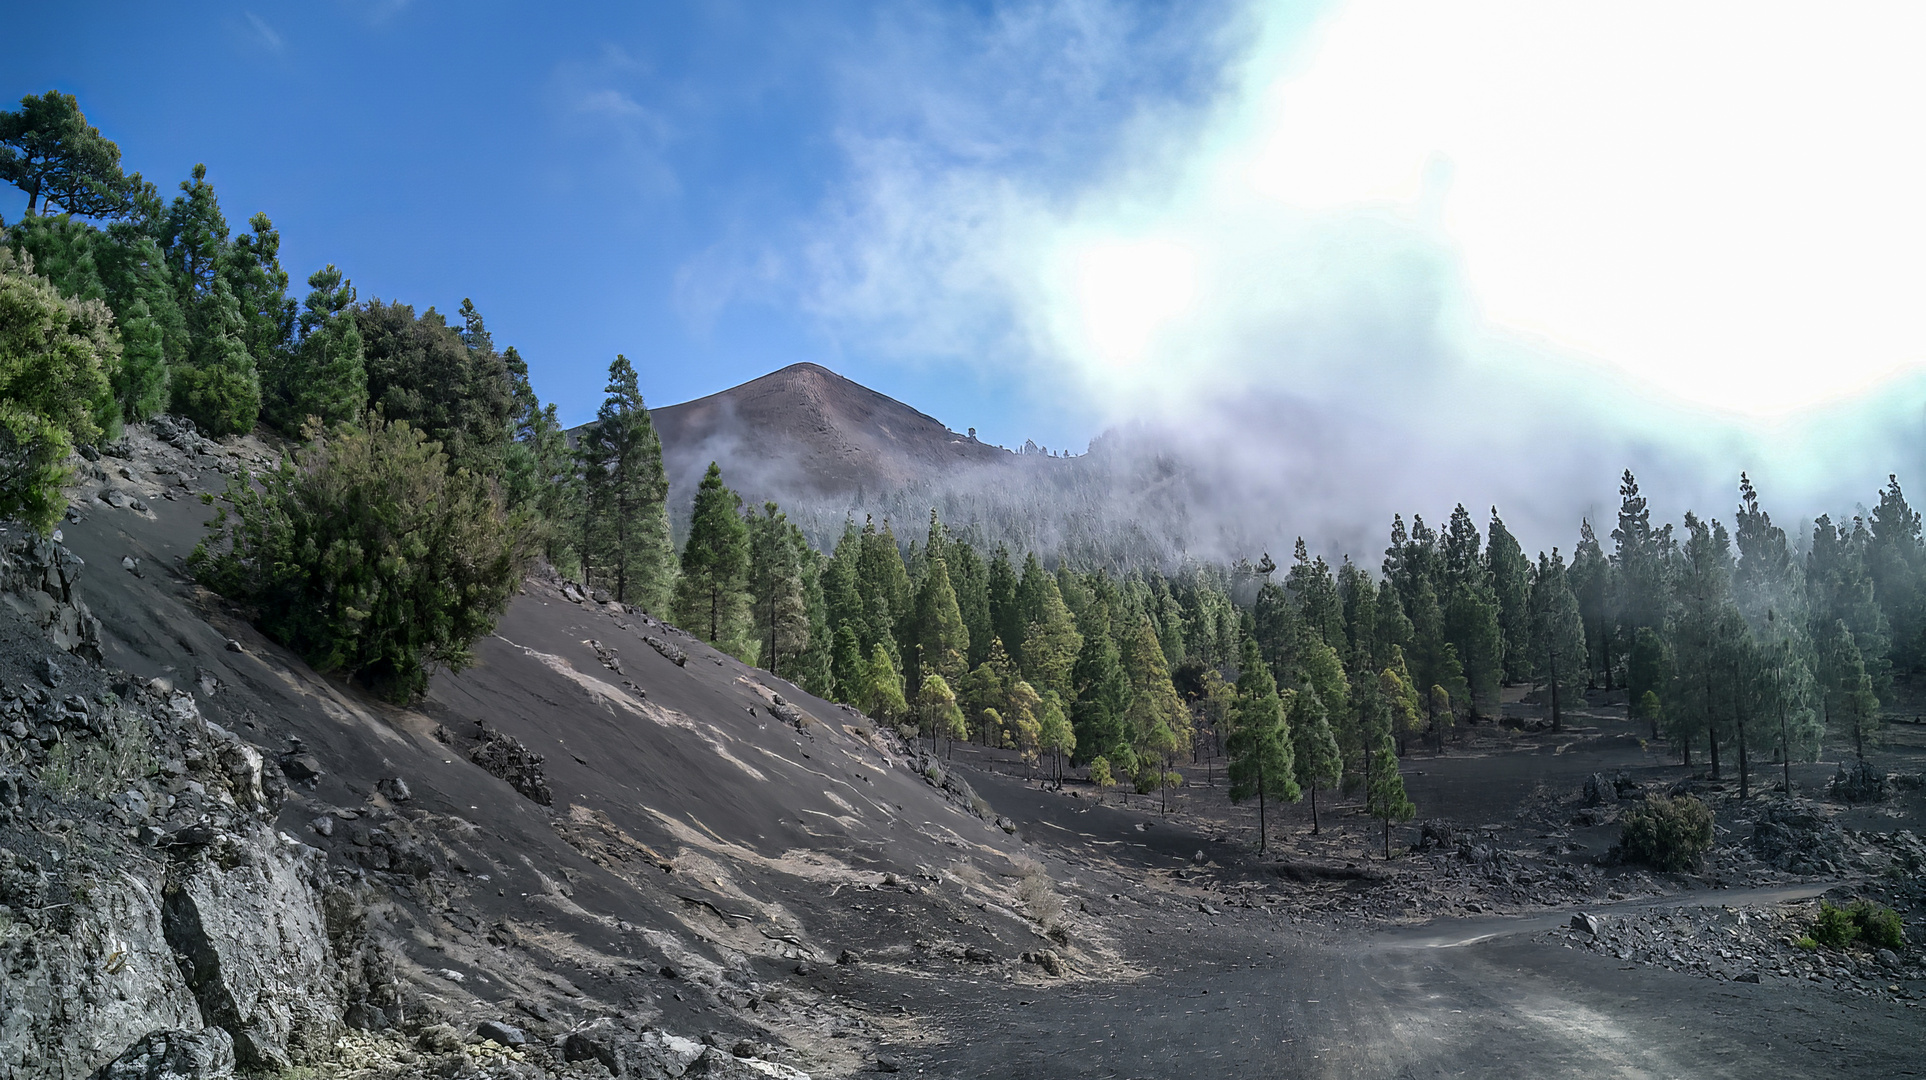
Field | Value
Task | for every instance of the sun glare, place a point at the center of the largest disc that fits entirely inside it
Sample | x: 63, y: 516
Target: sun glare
x: 1128, y: 292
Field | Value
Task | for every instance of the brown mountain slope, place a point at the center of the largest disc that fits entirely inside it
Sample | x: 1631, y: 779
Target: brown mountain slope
x: 807, y: 430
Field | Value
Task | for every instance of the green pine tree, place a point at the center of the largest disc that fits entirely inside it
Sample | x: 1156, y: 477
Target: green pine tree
x: 1385, y: 798
x: 1556, y: 644
x: 712, y: 592
x: 1315, y: 758
x: 1511, y: 586
x: 218, y: 388
x: 324, y: 377
x: 1259, y: 746
x: 942, y: 641
x: 626, y: 541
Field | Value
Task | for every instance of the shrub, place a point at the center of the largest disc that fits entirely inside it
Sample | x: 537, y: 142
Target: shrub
x: 368, y: 556
x: 1039, y: 896
x: 1100, y: 772
x: 1835, y: 928
x: 1879, y: 926
x: 57, y: 356
x: 1667, y: 833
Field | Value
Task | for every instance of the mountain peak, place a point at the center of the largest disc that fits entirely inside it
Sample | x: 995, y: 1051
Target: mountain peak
x: 804, y: 429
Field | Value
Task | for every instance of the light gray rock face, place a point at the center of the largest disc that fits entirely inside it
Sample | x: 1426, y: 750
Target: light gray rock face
x: 174, y: 1055
x: 244, y: 914
x: 79, y: 986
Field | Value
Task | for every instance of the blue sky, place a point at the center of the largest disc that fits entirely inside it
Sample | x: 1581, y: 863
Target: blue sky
x: 663, y: 180
x: 1362, y: 254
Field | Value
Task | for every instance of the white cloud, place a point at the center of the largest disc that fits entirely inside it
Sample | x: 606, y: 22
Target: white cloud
x: 1517, y: 243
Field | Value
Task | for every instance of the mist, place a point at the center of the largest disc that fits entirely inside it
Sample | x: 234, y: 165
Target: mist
x: 1308, y: 288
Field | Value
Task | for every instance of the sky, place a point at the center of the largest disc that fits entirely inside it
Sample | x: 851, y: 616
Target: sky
x: 1487, y: 248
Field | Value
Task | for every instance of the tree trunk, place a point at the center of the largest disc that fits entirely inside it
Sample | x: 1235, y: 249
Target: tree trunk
x: 1785, y: 742
x: 1387, y: 838
x: 1260, y: 810
x: 1557, y: 717
x: 1313, y: 809
x: 1738, y: 720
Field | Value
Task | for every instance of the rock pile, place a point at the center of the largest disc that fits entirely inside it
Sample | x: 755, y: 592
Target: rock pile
x: 506, y: 758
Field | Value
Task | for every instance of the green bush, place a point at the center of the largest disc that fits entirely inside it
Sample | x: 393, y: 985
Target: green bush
x: 368, y: 556
x: 1100, y: 772
x: 1879, y: 926
x: 1667, y: 833
x: 1835, y: 928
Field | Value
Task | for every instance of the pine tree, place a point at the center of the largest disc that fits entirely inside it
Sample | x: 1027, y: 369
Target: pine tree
x: 1156, y: 718
x: 626, y: 541
x: 1051, y: 641
x: 1102, y: 699
x: 141, y: 383
x: 883, y: 688
x: 1006, y: 615
x: 1511, y: 584
x: 938, y: 716
x: 1315, y: 758
x: 1556, y: 645
x: 1310, y: 585
x: 325, y: 376
x: 848, y: 669
x: 883, y: 584
x: 1471, y: 609
x: 712, y: 592
x: 779, y: 606
x: 942, y: 641
x: 219, y: 388
x: 1021, y: 704
x: 1259, y: 746
x: 1590, y: 579
x: 1846, y: 690
x: 1385, y: 798
x: 1700, y: 704
x: 1054, y: 734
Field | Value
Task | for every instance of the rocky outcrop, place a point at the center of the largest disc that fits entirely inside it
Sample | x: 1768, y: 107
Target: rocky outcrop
x: 37, y: 579
x: 174, y: 1055
x: 85, y: 968
x: 244, y: 914
x: 507, y: 759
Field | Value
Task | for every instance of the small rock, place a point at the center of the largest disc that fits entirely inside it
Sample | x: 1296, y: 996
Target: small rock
x: 439, y: 1039
x: 848, y: 957
x: 233, y: 646
x: 1746, y: 977
x: 1888, y: 958
x: 888, y: 1065
x: 301, y: 768
x: 47, y: 671
x: 323, y: 825
x: 395, y: 788
x: 805, y: 969
x: 505, y: 1034
x: 667, y: 971
x: 130, y: 564
x: 1200, y: 858
x: 1587, y: 923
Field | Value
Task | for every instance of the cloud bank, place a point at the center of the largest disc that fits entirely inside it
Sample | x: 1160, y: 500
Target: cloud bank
x: 1402, y: 255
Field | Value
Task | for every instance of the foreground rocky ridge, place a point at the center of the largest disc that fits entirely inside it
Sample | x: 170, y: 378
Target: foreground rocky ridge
x: 601, y: 836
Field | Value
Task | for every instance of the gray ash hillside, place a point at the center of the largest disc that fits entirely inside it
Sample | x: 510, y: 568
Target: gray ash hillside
x: 579, y: 840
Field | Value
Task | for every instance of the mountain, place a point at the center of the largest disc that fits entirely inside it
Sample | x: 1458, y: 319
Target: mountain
x: 806, y: 432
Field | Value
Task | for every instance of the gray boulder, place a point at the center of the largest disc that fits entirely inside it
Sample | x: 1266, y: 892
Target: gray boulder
x: 246, y: 920
x: 174, y: 1055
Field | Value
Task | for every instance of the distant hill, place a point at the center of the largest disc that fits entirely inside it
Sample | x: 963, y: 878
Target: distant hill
x: 806, y: 432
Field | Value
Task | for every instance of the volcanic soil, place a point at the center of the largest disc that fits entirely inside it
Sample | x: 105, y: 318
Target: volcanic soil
x: 716, y: 863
